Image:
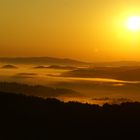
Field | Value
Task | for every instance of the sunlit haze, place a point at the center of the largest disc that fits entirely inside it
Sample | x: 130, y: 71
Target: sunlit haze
x: 103, y: 30
x: 69, y: 69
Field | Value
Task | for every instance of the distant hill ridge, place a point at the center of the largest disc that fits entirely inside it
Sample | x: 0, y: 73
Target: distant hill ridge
x: 64, y: 61
x: 41, y: 60
x: 119, y: 73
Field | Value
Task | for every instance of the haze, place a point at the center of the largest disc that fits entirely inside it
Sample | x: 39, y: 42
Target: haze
x: 69, y: 69
x: 87, y: 30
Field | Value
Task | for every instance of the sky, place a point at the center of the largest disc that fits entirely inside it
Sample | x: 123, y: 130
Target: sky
x: 88, y: 30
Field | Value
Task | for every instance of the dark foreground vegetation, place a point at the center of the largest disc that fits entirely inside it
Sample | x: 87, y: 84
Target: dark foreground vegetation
x: 31, y: 118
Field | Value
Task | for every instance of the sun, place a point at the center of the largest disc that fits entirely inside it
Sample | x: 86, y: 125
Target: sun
x: 133, y: 23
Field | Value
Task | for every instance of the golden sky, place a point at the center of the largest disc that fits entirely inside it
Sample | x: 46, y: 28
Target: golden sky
x: 90, y: 30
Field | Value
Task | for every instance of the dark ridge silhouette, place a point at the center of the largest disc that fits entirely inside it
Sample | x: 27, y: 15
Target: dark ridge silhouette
x: 116, y: 63
x: 27, y: 117
x: 62, y: 67
x: 40, y: 61
x: 119, y: 73
x: 56, y: 67
x: 9, y: 67
x: 40, y: 67
x: 30, y: 74
x: 37, y: 90
x: 25, y: 75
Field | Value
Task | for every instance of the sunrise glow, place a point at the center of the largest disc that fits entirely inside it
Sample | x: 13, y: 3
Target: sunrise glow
x: 133, y: 23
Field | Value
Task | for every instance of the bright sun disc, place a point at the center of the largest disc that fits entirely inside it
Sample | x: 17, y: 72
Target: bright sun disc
x: 133, y: 23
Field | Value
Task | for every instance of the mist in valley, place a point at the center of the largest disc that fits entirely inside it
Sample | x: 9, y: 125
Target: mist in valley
x: 83, y: 83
